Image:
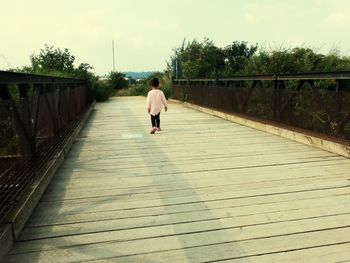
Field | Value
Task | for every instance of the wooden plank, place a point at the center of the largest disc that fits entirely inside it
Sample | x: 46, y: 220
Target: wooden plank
x: 206, y: 246
x: 170, y: 191
x: 333, y: 253
x: 125, y: 203
x: 168, y: 219
x: 151, y: 194
x: 274, y: 223
x: 70, y: 176
x: 44, y: 217
x: 197, y: 179
x: 208, y: 166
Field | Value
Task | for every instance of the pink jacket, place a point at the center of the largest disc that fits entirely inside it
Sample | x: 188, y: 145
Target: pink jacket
x: 155, y: 101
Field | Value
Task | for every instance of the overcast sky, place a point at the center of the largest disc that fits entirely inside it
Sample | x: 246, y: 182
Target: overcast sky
x: 146, y: 31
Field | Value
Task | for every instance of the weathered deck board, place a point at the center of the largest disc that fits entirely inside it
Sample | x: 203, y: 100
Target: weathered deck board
x: 202, y: 190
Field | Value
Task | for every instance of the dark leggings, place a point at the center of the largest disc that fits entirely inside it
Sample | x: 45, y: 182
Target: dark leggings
x: 155, y: 120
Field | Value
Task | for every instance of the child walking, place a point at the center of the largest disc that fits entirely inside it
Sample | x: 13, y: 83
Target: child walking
x: 155, y: 101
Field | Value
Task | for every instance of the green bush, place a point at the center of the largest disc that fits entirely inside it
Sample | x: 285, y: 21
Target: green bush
x: 143, y: 87
x: 117, y: 80
x: 122, y: 92
x: 139, y: 89
x: 101, y: 91
x: 167, y: 91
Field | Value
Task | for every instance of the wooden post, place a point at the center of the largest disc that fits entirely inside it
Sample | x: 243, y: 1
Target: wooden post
x: 247, y: 97
x: 27, y: 145
x: 24, y: 139
x: 275, y: 99
x: 339, y: 96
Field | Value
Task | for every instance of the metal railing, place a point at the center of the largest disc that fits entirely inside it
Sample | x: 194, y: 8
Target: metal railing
x: 35, y: 113
x: 314, y: 101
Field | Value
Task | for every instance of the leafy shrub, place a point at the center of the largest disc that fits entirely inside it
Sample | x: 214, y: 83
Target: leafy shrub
x: 101, y: 91
x: 139, y: 89
x: 117, y: 80
x: 167, y: 91
x: 122, y: 92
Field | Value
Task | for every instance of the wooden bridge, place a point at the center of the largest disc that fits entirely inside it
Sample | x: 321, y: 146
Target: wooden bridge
x: 204, y: 189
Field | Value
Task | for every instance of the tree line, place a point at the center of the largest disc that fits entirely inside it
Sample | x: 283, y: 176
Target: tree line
x: 59, y: 62
x: 203, y: 59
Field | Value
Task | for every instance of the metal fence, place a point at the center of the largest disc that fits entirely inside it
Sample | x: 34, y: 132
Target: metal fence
x: 314, y: 101
x: 35, y: 112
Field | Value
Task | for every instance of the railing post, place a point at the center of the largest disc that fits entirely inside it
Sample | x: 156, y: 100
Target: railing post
x: 275, y: 98
x: 339, y: 96
x: 69, y: 101
x: 56, y: 97
x: 24, y: 139
x: 24, y: 105
x: 37, y: 90
x: 50, y: 99
x: 27, y: 144
x: 247, y: 97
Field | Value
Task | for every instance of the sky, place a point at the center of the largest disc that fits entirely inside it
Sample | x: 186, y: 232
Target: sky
x: 146, y: 31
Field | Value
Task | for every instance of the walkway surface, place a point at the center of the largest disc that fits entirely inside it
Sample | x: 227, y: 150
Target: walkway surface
x: 202, y: 190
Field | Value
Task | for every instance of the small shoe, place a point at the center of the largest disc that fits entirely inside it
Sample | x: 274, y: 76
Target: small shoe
x: 153, y: 130
x: 158, y: 129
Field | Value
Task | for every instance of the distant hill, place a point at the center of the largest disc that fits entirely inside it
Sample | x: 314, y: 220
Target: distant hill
x: 138, y: 75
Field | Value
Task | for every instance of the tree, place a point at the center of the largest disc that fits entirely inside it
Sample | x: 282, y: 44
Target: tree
x: 237, y: 56
x: 201, y: 59
x: 52, y: 59
x: 295, y: 60
x: 117, y: 80
x: 56, y: 62
x: 204, y: 59
x: 83, y: 71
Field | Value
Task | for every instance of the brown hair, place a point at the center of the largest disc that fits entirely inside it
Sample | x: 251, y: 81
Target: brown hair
x: 155, y: 82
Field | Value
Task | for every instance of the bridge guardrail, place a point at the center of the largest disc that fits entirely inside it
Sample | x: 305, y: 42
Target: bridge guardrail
x: 318, y: 101
x: 36, y: 113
